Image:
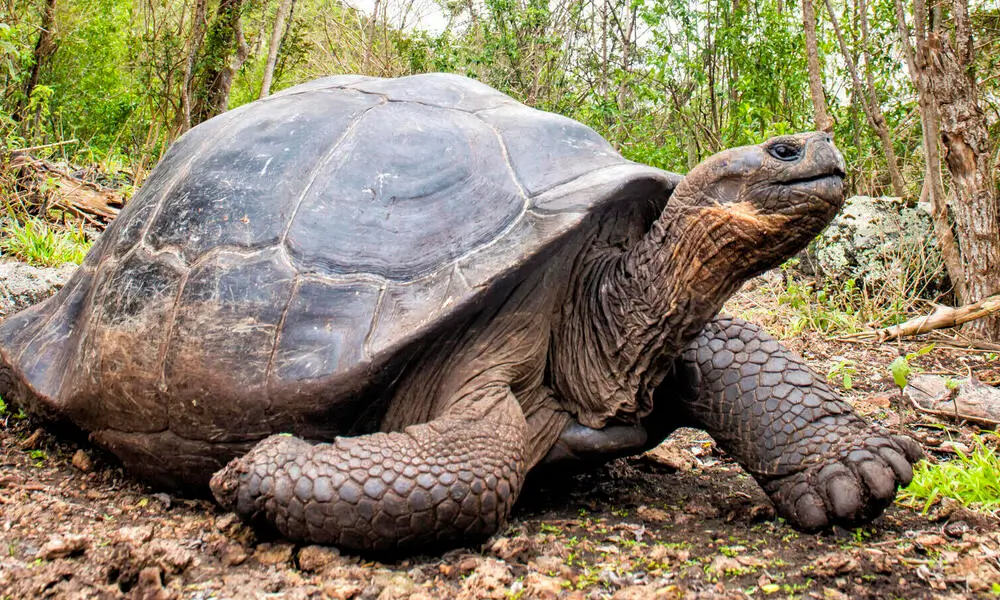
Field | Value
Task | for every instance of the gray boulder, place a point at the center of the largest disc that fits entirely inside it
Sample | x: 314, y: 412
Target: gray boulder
x: 22, y: 285
x: 882, y: 243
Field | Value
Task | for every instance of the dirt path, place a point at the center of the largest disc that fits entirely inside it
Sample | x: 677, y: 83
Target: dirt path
x: 72, y: 525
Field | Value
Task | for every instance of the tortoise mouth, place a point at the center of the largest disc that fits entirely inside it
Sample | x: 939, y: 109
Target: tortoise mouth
x: 836, y: 174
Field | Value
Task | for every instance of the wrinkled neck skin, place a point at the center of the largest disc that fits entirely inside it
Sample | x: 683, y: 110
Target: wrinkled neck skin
x: 640, y: 305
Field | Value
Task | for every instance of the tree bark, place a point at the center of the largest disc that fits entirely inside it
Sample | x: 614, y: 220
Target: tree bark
x: 943, y: 63
x: 222, y: 55
x: 823, y: 120
x: 874, y: 110
x: 45, y: 47
x: 277, y: 33
x: 194, y: 42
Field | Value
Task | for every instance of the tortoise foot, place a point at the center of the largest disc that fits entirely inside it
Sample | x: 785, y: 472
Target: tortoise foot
x: 848, y: 485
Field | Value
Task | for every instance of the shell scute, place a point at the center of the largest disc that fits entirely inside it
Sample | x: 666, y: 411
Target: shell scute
x: 439, y: 89
x: 117, y: 376
x: 547, y: 149
x: 215, y: 368
x: 411, y: 189
x: 243, y: 194
x: 324, y: 331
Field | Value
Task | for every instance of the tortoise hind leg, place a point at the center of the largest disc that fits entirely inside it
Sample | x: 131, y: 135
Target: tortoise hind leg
x: 444, y: 481
x: 819, y: 462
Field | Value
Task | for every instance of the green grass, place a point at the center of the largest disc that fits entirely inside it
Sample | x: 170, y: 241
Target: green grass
x: 36, y: 243
x: 971, y: 480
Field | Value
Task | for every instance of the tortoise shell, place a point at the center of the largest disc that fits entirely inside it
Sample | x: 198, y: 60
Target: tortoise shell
x: 285, y: 256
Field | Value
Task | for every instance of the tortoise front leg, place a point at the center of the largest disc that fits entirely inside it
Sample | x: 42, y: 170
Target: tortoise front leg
x: 442, y: 482
x: 820, y: 463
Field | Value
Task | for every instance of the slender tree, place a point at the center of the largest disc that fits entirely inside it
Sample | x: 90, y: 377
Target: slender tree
x: 822, y: 117
x: 941, y: 63
x: 222, y: 54
x: 45, y: 47
x: 277, y: 33
x: 868, y: 99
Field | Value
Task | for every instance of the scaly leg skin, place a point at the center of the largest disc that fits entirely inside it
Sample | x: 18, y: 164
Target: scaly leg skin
x: 451, y: 480
x: 819, y: 462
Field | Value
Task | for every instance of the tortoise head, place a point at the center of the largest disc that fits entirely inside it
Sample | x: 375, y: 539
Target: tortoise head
x: 768, y: 201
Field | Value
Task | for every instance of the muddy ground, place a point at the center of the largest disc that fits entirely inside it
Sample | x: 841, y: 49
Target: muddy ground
x: 683, y: 522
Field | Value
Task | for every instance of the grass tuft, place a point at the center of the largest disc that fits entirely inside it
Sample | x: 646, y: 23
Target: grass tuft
x: 36, y: 243
x: 971, y: 480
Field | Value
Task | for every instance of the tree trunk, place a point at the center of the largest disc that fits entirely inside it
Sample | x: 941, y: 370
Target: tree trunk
x: 823, y: 120
x: 277, y: 33
x: 44, y: 48
x: 194, y: 42
x: 223, y: 53
x: 869, y: 103
x: 943, y: 70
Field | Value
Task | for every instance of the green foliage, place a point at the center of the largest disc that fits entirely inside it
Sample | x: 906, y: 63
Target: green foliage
x: 829, y: 309
x: 901, y: 369
x: 37, y: 243
x: 969, y: 479
x: 843, y: 372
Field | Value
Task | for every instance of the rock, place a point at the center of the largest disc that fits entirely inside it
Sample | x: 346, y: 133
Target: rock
x: 873, y: 240
x: 62, y: 546
x: 22, y: 285
x: 960, y: 399
x: 489, y: 580
x: 274, y: 554
x: 671, y: 455
x: 233, y: 555
x: 169, y: 555
x: 149, y: 586
x: 833, y: 563
x: 342, y: 590
x: 653, y: 515
x: 514, y: 549
x: 133, y: 536
x: 542, y: 587
x: 82, y: 461
x: 316, y: 558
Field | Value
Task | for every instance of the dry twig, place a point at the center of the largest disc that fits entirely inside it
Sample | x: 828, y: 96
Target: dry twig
x: 942, y: 317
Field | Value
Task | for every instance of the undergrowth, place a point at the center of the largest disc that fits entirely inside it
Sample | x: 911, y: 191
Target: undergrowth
x: 969, y: 479
x: 39, y: 244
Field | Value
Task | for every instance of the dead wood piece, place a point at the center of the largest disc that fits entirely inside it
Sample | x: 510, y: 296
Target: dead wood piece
x: 967, y: 400
x: 942, y: 317
x: 54, y: 187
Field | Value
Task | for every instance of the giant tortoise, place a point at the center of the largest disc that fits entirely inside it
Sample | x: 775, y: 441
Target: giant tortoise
x: 386, y: 300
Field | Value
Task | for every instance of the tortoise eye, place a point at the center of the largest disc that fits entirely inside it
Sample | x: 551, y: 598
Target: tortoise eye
x: 783, y: 151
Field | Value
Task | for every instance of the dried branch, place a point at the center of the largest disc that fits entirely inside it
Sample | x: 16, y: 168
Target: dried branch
x: 942, y: 317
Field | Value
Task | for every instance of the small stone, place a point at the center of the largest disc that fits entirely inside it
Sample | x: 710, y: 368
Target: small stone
x: 82, y: 461
x: 274, y: 554
x: 468, y: 565
x: 133, y: 536
x: 62, y: 546
x: 955, y: 529
x: 316, y: 558
x: 226, y: 521
x: 542, y: 587
x: 169, y: 555
x: 547, y: 564
x: 342, y: 590
x: 833, y: 563
x: 149, y: 585
x: 652, y: 514
x: 233, y: 555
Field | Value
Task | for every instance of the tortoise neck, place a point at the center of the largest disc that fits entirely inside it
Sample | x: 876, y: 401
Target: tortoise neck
x: 636, y: 310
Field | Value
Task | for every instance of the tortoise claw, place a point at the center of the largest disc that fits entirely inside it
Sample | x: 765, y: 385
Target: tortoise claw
x: 849, y: 486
